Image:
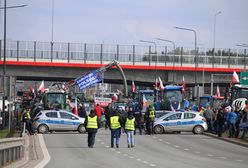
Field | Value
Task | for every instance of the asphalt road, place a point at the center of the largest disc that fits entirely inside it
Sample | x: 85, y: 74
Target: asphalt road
x: 164, y: 151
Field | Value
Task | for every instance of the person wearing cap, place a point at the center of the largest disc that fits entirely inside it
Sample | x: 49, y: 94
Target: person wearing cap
x: 130, y: 128
x: 115, y: 128
x: 91, y: 124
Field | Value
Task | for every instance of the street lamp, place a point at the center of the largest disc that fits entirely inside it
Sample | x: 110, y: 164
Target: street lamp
x: 4, y: 52
x: 174, y: 48
x: 245, y: 46
x: 52, y: 31
x: 215, y: 15
x: 196, y: 59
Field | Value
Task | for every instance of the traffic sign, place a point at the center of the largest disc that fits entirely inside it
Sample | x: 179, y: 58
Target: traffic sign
x: 244, y: 78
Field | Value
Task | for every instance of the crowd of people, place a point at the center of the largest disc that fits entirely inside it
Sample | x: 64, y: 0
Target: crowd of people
x: 228, y: 118
x: 119, y: 121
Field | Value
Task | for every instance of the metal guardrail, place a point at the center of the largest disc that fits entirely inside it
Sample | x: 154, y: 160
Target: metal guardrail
x: 126, y: 54
x: 11, y: 149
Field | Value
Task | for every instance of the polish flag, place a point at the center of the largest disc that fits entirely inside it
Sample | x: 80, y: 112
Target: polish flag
x: 184, y: 85
x: 75, y: 109
x: 42, y: 87
x: 133, y: 87
x: 115, y: 98
x: 160, y: 83
x: 217, y: 91
x: 235, y: 77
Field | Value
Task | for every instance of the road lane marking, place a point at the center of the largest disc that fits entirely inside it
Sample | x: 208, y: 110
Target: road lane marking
x: 138, y: 159
x: 131, y: 157
x: 145, y: 162
x: 176, y: 146
x: 238, y: 160
x: 98, y: 140
x: 210, y: 155
x: 222, y: 157
x: 154, y: 137
x: 186, y: 149
x: 46, y: 156
x: 107, y: 146
x: 152, y: 165
x: 102, y: 143
x: 197, y: 152
x: 118, y: 152
x: 160, y: 139
x: 125, y: 154
x: 168, y: 143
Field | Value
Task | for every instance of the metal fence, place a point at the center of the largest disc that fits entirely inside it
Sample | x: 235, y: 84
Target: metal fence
x: 126, y: 54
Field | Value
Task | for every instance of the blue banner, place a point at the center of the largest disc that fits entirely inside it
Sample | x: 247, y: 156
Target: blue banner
x: 89, y: 79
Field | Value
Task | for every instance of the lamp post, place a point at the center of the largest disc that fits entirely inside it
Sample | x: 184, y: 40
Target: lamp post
x: 215, y: 15
x: 196, y: 58
x: 174, y: 48
x: 4, y: 53
x: 245, y: 46
x: 52, y: 30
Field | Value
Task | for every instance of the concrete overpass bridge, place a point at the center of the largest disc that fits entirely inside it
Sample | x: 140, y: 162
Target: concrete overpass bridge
x: 64, y: 61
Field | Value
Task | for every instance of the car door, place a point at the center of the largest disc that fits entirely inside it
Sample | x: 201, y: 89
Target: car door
x: 173, y: 122
x: 188, y: 121
x: 67, y: 121
x: 52, y: 120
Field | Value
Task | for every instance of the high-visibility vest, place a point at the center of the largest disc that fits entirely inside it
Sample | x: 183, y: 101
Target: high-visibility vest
x: 92, y: 122
x: 152, y: 115
x: 114, y: 122
x: 26, y: 115
x: 130, y: 124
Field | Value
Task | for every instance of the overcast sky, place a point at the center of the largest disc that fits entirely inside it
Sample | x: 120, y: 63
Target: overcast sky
x: 129, y: 21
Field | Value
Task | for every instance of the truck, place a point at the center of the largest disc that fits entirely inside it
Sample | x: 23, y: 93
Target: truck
x: 213, y: 101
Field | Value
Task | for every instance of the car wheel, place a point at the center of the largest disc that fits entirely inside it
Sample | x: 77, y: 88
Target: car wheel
x: 158, y: 129
x: 43, y: 129
x: 198, y: 129
x: 81, y: 129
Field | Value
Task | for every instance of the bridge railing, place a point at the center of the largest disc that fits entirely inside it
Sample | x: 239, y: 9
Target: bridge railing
x: 129, y: 54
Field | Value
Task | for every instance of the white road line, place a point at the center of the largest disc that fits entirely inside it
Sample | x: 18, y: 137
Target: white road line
x: 186, y: 149
x: 152, y: 165
x: 98, y: 140
x: 102, y: 143
x: 138, y: 159
x: 210, y: 155
x: 145, y: 162
x: 168, y: 143
x: 222, y: 157
x: 107, y: 146
x: 118, y: 152
x: 160, y: 139
x: 238, y: 160
x: 45, y: 152
x: 125, y: 154
x: 176, y: 146
x: 197, y: 152
x: 131, y: 157
x: 154, y: 137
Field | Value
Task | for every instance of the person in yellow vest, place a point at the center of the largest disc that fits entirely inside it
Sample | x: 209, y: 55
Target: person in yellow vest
x: 115, y: 127
x: 91, y: 124
x: 26, y: 119
x: 130, y: 128
x: 150, y: 118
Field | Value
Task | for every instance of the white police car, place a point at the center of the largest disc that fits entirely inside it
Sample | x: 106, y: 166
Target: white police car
x: 181, y: 121
x: 58, y: 120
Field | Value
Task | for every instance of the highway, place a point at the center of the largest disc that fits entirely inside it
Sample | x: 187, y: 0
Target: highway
x: 164, y: 151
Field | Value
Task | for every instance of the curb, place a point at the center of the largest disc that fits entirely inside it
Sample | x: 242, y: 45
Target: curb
x: 230, y: 140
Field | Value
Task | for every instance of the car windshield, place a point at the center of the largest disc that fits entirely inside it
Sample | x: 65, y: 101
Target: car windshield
x: 242, y: 93
x: 173, y: 95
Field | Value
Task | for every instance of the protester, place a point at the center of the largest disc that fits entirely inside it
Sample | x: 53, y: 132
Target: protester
x: 26, y: 120
x: 115, y: 127
x: 91, y: 124
x: 208, y: 114
x: 150, y: 118
x: 219, y: 121
x: 130, y: 128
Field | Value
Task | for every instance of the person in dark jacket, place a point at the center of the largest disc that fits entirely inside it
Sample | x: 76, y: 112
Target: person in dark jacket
x: 91, y: 124
x: 150, y: 118
x: 219, y: 121
x: 130, y: 128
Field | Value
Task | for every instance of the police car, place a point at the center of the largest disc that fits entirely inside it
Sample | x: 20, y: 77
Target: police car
x: 181, y: 121
x: 58, y: 120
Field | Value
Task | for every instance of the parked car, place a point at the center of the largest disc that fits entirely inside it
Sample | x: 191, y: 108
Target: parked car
x: 181, y: 121
x: 58, y: 120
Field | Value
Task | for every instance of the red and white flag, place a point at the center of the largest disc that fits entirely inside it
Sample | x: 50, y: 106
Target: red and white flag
x: 133, y: 87
x: 42, y: 87
x: 75, y: 109
x: 161, y: 86
x: 235, y: 78
x: 184, y: 85
x: 217, y: 94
